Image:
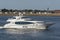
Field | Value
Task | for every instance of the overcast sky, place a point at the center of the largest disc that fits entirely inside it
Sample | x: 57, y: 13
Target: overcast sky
x: 30, y: 4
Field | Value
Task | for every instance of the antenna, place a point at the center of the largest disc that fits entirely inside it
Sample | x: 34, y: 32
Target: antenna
x: 47, y: 10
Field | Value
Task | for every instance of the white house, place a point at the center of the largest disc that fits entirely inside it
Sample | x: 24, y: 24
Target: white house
x: 0, y: 12
x: 6, y: 13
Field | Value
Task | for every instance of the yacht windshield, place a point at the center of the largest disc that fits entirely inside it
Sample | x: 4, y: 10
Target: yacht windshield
x: 23, y: 23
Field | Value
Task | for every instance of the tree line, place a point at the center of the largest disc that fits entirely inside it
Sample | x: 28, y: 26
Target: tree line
x: 25, y: 10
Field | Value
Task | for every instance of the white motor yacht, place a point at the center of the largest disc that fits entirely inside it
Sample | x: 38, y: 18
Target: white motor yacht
x: 25, y: 23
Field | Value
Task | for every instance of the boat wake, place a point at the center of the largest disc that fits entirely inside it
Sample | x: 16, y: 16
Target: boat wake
x: 20, y: 31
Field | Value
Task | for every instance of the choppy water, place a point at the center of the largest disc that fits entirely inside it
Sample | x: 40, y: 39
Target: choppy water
x: 53, y: 32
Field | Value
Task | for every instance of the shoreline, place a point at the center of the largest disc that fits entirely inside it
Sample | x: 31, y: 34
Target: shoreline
x: 55, y: 14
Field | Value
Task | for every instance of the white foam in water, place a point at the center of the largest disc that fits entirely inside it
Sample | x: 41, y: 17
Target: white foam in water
x: 13, y: 31
x: 33, y: 33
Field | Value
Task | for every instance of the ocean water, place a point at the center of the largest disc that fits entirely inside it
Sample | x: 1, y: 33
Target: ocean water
x: 52, y: 33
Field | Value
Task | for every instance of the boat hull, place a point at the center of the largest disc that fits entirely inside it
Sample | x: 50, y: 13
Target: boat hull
x: 38, y: 27
x: 31, y: 26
